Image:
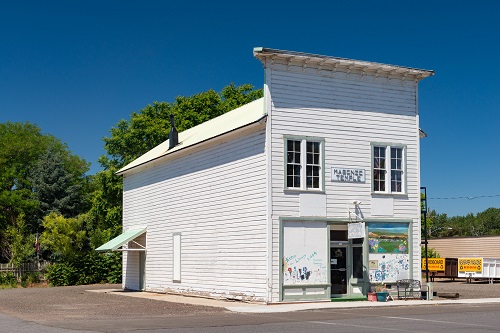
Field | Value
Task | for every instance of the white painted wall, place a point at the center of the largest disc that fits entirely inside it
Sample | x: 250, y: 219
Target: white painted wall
x: 215, y: 196
x: 349, y: 112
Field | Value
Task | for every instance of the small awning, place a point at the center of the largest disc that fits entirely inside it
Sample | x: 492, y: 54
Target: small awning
x: 127, y: 236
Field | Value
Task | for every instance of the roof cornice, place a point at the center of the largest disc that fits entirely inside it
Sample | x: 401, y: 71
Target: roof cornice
x: 270, y: 57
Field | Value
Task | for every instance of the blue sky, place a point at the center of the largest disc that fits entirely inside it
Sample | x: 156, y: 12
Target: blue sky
x: 75, y: 68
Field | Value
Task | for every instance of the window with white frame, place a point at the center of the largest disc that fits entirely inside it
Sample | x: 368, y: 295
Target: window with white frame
x: 388, y: 168
x: 304, y: 164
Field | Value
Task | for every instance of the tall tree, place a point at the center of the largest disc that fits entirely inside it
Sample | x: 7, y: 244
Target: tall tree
x: 22, y: 147
x: 146, y: 129
x: 57, y: 187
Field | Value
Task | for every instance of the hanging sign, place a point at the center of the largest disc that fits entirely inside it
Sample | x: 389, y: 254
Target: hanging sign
x: 356, y: 230
x: 348, y: 175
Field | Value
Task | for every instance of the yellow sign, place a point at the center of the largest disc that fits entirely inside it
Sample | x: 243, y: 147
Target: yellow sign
x: 470, y: 265
x: 435, y: 264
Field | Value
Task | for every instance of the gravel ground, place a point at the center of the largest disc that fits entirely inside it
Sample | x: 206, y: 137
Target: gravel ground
x: 73, y: 303
x: 476, y: 289
x: 76, y: 302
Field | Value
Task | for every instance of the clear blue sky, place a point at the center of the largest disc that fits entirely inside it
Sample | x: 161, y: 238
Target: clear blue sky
x: 75, y: 68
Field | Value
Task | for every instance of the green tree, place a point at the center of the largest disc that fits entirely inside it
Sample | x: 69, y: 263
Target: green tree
x: 148, y: 128
x: 23, y: 148
x: 490, y: 220
x: 64, y: 237
x: 58, y: 181
x: 21, y: 242
x: 20, y: 146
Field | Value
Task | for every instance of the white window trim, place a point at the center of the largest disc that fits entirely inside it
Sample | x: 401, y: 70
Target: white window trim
x: 303, y: 163
x: 388, y: 170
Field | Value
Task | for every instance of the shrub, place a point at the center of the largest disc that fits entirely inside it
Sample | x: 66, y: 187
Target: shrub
x: 29, y: 278
x: 8, y: 279
x: 87, y: 269
x: 62, y: 274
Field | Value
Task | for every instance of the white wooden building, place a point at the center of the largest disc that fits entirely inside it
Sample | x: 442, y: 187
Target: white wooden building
x: 311, y: 192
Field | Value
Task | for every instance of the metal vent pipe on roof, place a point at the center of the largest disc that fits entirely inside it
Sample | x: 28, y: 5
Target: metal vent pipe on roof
x: 173, y: 138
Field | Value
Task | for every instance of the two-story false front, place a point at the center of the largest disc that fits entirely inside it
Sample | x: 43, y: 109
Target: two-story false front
x: 309, y: 193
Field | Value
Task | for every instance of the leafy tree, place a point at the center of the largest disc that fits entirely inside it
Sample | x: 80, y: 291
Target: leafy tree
x: 490, y: 220
x: 20, y: 146
x: 21, y: 243
x: 431, y: 253
x: 482, y: 224
x: 24, y: 179
x: 148, y: 128
x: 151, y: 126
x: 64, y: 237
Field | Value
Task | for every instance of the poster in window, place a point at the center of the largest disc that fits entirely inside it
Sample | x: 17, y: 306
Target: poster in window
x: 388, y: 252
x: 388, y: 237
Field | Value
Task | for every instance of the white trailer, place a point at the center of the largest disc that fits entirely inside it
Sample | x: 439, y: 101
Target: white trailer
x: 479, y: 268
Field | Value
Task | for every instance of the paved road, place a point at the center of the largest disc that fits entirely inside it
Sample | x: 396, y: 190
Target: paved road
x: 67, y: 309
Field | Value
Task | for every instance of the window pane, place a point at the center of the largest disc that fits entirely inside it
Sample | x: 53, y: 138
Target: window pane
x: 309, y: 170
x: 396, y: 169
x: 315, y: 182
x: 379, y: 169
x: 357, y: 262
x: 313, y: 179
x: 293, y: 163
x: 310, y: 158
x: 396, y: 181
x: 313, y: 164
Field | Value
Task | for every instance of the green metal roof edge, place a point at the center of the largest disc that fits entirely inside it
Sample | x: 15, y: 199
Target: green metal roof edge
x: 121, y: 239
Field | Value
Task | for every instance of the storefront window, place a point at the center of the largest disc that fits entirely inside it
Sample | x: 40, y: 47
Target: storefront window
x: 389, y: 258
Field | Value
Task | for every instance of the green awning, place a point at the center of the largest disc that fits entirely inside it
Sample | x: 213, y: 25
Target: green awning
x: 116, y: 242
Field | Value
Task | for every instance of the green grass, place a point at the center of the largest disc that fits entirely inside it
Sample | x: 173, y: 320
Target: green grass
x: 350, y: 299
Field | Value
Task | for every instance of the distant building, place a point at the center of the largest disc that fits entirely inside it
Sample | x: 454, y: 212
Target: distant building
x: 309, y: 193
x: 464, y: 247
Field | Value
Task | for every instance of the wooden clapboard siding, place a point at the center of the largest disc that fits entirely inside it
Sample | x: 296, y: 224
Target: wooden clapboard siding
x: 215, y: 196
x: 460, y: 247
x: 130, y: 268
x: 350, y: 112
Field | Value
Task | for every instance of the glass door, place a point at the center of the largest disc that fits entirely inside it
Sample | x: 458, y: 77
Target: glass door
x: 338, y: 270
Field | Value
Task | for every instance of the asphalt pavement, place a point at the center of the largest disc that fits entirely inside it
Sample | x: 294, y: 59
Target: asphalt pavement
x: 106, y: 308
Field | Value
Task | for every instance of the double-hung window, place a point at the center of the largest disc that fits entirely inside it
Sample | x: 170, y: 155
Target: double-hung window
x: 389, y: 168
x: 304, y: 164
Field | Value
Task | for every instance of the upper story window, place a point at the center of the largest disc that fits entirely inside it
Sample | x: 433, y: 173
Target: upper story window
x: 304, y: 164
x: 389, y: 168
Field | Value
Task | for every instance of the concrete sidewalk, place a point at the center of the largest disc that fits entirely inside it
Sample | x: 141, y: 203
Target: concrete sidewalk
x: 243, y: 307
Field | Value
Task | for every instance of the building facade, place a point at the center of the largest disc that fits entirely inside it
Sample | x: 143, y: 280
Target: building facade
x: 310, y: 193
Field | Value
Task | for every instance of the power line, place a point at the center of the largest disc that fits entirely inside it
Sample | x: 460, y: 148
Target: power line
x: 469, y: 197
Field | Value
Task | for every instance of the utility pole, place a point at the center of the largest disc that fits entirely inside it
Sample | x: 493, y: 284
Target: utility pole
x: 423, y: 211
